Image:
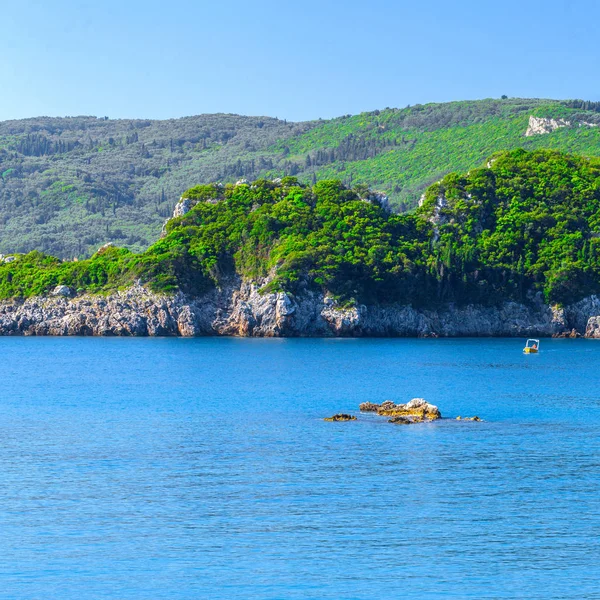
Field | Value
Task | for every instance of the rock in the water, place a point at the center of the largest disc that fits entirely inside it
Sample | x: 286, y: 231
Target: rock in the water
x: 341, y: 417
x: 417, y: 408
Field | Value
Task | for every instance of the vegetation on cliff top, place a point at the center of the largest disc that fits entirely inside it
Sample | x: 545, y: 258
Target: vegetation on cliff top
x: 527, y: 222
x: 69, y: 185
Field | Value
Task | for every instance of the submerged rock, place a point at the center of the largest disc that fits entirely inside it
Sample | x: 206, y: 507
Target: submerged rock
x: 340, y: 417
x: 475, y: 418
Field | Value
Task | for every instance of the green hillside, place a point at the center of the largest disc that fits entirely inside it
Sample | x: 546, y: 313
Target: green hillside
x: 528, y: 223
x: 69, y: 185
x: 419, y: 145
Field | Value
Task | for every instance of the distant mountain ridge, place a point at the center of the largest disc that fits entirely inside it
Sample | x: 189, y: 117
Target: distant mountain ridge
x: 67, y: 185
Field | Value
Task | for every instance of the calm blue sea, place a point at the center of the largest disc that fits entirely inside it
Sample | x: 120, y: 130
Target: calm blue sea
x: 201, y: 468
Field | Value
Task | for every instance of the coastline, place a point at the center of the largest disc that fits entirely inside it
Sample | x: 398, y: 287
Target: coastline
x: 239, y: 309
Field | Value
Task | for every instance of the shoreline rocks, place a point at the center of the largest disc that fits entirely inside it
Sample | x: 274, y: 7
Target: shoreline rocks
x: 240, y: 308
x: 592, y: 329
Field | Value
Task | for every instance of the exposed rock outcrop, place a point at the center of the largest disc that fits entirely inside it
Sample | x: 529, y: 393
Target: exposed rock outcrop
x: 577, y: 315
x: 105, y: 247
x: 239, y: 308
x: 573, y: 334
x: 62, y: 290
x: 378, y: 198
x: 182, y: 207
x: 542, y: 125
x: 592, y: 329
x: 417, y: 410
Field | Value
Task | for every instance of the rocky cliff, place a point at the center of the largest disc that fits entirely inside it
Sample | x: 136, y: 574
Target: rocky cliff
x: 239, y: 309
x: 541, y: 125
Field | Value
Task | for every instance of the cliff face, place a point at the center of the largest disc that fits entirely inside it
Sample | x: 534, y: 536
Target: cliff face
x: 541, y: 125
x: 239, y: 309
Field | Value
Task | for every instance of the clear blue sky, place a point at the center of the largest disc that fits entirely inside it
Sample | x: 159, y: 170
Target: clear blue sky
x: 296, y: 60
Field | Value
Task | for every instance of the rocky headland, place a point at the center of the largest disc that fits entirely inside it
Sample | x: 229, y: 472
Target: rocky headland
x: 237, y: 305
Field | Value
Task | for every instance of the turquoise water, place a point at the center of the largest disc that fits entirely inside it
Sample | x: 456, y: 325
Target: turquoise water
x: 202, y: 468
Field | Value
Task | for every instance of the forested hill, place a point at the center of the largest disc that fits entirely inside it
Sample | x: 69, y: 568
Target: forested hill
x: 69, y: 185
x: 528, y: 223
